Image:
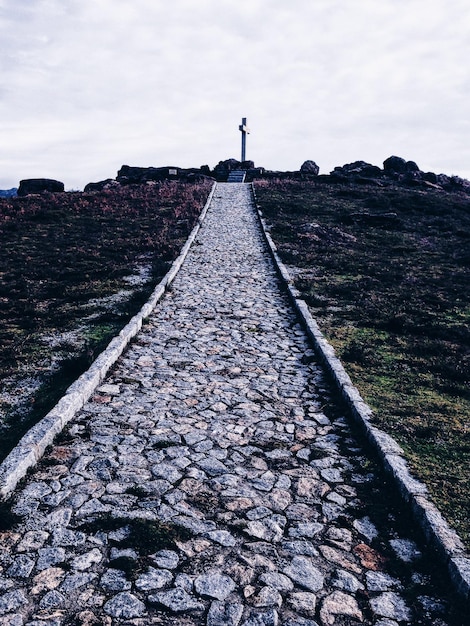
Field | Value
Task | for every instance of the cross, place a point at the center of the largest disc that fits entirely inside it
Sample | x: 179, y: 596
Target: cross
x: 245, y: 131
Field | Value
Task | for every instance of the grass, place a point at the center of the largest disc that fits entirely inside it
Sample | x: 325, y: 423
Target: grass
x: 385, y: 271
x: 63, y: 259
x: 144, y: 536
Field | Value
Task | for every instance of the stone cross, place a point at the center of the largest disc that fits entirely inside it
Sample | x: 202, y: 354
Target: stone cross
x: 245, y: 131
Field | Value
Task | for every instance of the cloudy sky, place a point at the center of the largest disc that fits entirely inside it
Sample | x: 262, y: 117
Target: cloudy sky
x: 88, y: 85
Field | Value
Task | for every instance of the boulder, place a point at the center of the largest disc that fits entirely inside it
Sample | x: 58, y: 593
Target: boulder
x: 102, y: 184
x: 128, y: 175
x: 309, y: 167
x: 411, y: 166
x: 395, y: 165
x: 39, y: 185
x: 358, y: 169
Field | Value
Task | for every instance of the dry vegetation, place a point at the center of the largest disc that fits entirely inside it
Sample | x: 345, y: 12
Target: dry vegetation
x: 385, y: 272
x: 74, y: 267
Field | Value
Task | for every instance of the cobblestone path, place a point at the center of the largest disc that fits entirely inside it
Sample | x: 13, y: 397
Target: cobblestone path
x: 211, y: 479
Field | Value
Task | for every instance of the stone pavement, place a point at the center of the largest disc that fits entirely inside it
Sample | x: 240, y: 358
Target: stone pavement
x: 212, y: 479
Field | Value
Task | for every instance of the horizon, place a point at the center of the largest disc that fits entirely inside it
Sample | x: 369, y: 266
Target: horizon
x: 176, y: 165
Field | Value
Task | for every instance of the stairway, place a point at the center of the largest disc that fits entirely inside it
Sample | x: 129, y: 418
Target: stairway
x: 236, y: 176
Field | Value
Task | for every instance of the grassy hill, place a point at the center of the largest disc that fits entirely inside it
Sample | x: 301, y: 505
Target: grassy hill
x: 385, y: 272
x: 74, y: 267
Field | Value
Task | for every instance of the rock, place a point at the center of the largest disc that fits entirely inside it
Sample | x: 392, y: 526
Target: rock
x: 339, y: 537
x: 304, y: 573
x: 369, y: 558
x: 176, y: 600
x: 130, y: 175
x: 109, y: 183
x: 268, y: 618
x: 217, y: 586
x: 39, y: 185
x: 166, y: 559
x: 390, y: 604
x: 379, y: 581
x: 300, y: 621
x: 346, y: 581
x: 303, y: 602
x: 53, y: 600
x: 277, y: 581
x: 47, y: 579
x: 341, y: 558
x: 125, y: 605
x: 306, y: 529
x: 411, y: 166
x: 339, y: 603
x: 224, y: 614
x: 309, y: 167
x: 223, y: 537
x: 11, y: 601
x: 358, y: 169
x: 395, y: 165
x: 85, y: 561
x: 430, y: 177
x: 366, y: 528
x: 154, y: 579
x: 265, y: 529
x: 115, y: 580
x: 75, y: 581
x: 32, y: 540
x: 21, y: 567
x: 405, y: 550
x: 267, y: 596
x: 49, y: 557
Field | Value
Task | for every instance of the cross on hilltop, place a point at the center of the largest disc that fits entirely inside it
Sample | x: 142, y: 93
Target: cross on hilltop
x: 245, y: 131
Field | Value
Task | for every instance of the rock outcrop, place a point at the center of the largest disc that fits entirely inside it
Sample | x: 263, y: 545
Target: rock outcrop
x: 223, y: 169
x: 358, y: 169
x: 101, y: 185
x: 309, y: 167
x: 39, y: 185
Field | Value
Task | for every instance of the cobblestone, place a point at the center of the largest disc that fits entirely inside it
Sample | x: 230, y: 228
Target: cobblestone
x: 212, y: 479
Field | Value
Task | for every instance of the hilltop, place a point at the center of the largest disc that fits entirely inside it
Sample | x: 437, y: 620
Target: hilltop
x: 380, y: 254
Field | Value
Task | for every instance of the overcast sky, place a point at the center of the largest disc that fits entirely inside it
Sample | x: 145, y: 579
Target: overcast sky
x: 88, y: 85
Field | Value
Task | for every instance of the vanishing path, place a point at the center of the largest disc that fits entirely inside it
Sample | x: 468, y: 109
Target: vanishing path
x: 212, y: 480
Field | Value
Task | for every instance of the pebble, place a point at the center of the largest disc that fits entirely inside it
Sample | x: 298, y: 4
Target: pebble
x: 212, y: 451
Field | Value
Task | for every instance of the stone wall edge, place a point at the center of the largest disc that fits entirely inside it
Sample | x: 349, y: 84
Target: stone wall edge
x: 32, y: 445
x: 429, y: 519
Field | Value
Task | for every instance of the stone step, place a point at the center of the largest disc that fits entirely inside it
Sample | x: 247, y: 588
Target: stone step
x: 236, y: 176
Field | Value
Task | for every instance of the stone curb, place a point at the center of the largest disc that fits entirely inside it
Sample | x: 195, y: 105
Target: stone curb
x: 31, y: 447
x: 437, y: 532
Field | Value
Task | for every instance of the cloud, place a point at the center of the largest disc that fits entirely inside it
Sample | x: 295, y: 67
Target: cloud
x: 90, y: 83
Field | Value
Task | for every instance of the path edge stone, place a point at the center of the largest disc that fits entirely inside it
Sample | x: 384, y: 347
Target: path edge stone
x: 32, y: 445
x: 448, y: 545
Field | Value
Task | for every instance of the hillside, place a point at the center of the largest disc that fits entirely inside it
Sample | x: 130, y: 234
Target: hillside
x: 381, y: 257
x: 74, y: 267
x: 385, y: 272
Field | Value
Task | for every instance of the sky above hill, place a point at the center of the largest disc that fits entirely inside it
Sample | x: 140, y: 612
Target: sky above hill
x: 88, y: 85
